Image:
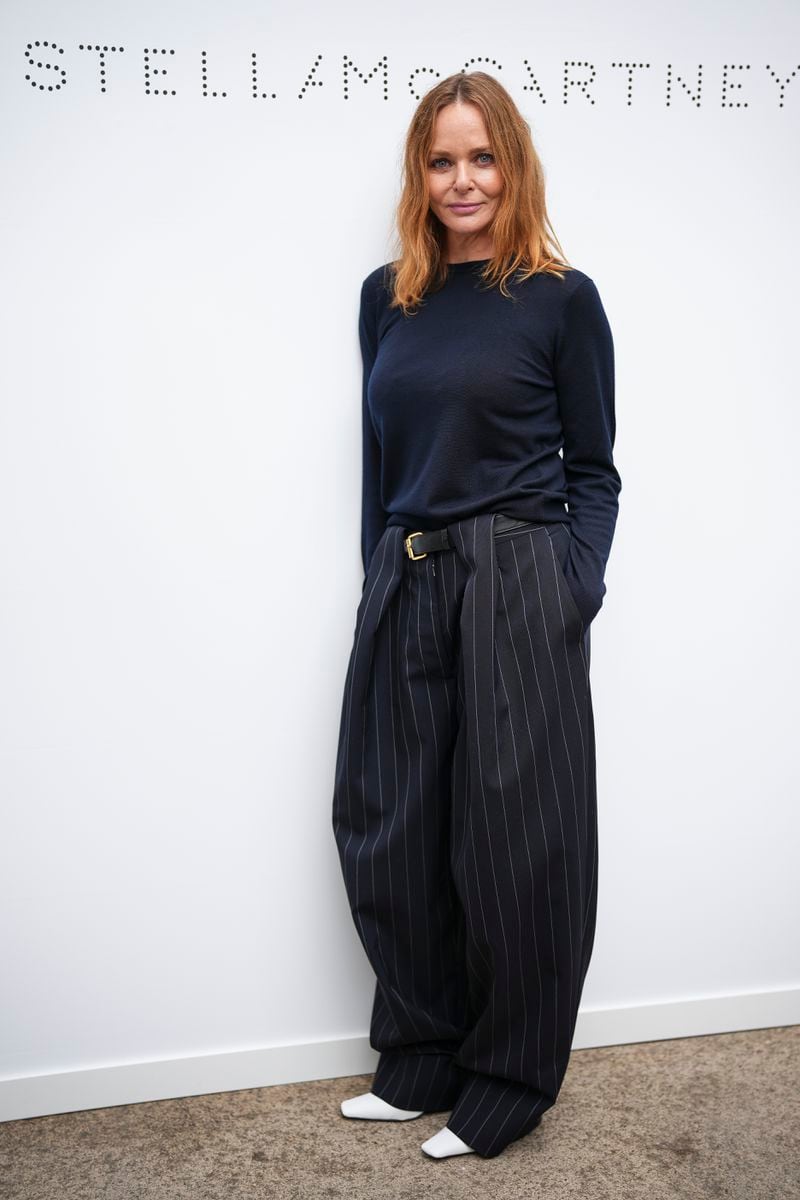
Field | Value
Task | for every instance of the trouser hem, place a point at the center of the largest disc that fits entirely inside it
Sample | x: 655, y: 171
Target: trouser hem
x: 418, y: 1081
x: 492, y: 1113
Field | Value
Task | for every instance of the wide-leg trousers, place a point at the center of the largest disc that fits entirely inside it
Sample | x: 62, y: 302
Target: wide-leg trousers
x: 465, y: 817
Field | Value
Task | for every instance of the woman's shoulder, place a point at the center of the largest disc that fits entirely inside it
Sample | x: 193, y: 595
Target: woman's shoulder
x: 379, y: 278
x: 574, y: 294
x: 376, y: 293
x: 564, y: 286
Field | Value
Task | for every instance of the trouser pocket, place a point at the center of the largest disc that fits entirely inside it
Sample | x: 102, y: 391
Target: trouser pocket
x: 560, y: 538
x: 517, y: 527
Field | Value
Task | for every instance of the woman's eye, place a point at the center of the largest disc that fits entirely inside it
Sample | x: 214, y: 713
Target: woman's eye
x: 484, y: 154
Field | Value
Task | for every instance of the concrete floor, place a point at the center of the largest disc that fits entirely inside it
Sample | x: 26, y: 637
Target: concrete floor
x: 700, y: 1117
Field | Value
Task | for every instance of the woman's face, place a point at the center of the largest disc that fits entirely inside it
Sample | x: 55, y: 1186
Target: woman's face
x: 463, y: 181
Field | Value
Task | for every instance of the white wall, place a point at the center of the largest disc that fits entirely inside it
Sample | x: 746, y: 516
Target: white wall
x: 179, y: 520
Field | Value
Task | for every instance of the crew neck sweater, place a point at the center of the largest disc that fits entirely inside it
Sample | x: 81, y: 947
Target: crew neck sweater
x: 480, y: 403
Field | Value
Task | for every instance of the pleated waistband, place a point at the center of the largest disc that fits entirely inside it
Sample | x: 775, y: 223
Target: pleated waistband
x: 474, y: 540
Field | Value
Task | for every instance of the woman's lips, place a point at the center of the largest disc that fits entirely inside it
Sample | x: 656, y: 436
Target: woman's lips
x: 465, y: 208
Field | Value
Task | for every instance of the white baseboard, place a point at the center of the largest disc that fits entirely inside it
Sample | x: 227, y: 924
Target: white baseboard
x: 136, y: 1083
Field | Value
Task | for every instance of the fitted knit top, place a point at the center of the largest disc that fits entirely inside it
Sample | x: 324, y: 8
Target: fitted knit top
x: 479, y: 403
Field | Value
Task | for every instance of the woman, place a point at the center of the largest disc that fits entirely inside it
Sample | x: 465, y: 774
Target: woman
x: 464, y: 804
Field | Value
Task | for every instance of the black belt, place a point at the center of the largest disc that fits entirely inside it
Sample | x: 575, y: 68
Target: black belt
x: 422, y: 541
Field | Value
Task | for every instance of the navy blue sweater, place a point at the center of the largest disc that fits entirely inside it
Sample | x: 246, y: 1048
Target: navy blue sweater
x: 467, y: 402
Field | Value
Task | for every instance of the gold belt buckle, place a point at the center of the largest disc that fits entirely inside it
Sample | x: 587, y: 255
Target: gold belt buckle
x: 409, y: 549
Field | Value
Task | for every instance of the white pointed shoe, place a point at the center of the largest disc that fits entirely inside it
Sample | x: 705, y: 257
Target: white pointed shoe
x: 370, y: 1107
x: 444, y: 1144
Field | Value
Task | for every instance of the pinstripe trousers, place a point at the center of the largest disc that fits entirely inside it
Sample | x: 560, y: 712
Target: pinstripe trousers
x: 465, y: 817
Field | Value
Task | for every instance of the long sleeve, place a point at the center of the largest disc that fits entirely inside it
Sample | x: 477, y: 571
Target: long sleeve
x: 584, y: 377
x: 373, y: 517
